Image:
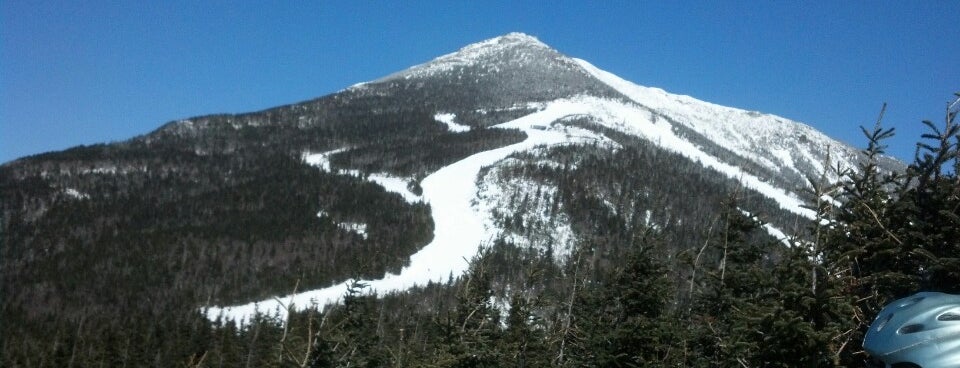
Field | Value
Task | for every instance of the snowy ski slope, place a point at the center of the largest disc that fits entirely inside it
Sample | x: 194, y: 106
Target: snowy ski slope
x: 462, y: 225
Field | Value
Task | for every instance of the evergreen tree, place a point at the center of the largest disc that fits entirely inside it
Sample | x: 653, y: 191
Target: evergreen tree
x: 321, y: 354
x: 735, y: 294
x: 895, y: 235
x: 619, y: 318
x: 931, y: 206
x: 523, y: 343
x: 358, y: 342
x: 469, y: 338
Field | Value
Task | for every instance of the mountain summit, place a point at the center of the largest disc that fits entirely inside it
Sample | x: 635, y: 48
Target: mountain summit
x: 500, y: 52
x: 496, y: 73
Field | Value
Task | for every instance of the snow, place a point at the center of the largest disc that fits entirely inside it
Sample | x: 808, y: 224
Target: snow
x: 770, y: 229
x: 103, y: 170
x: 778, y: 234
x: 639, y: 121
x: 459, y: 229
x: 390, y: 183
x: 463, y: 224
x: 322, y: 160
x: 76, y: 193
x: 395, y: 184
x: 472, y: 55
x: 357, y: 86
x: 762, y: 138
x: 543, y: 228
x: 100, y: 169
x: 354, y: 227
x: 783, y: 155
x: 502, y: 306
x: 818, y: 166
x: 447, y: 118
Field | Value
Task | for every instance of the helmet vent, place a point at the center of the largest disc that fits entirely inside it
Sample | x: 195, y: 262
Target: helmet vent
x: 909, y: 329
x: 911, y: 301
x: 949, y: 316
x: 883, y: 323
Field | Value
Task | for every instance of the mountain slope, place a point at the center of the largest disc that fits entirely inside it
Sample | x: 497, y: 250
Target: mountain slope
x: 767, y: 140
x: 506, y: 141
x: 768, y: 155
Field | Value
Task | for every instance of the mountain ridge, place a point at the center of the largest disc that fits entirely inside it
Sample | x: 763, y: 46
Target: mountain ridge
x: 230, y: 203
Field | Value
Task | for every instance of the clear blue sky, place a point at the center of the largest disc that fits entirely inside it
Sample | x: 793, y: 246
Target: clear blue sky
x: 83, y: 72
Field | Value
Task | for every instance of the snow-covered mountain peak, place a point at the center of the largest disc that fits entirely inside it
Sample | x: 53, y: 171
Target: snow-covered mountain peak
x: 490, y: 75
x: 513, y: 39
x: 512, y: 50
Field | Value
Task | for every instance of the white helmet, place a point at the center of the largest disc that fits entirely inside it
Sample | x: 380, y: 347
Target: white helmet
x: 922, y: 330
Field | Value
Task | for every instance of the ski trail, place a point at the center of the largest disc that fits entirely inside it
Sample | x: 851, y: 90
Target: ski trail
x: 459, y: 229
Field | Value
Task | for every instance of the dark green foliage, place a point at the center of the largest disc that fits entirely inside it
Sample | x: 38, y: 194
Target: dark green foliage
x: 932, y: 206
x: 619, y: 315
x: 730, y: 297
x: 471, y: 333
x: 894, y: 235
x: 354, y: 331
x: 524, y: 340
x: 151, y: 243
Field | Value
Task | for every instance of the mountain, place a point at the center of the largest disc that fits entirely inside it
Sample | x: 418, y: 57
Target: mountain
x: 505, y: 145
x: 585, y: 109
